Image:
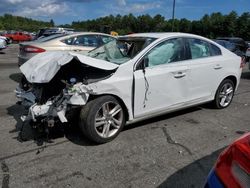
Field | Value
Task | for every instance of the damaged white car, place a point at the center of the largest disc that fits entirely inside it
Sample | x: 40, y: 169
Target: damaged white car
x: 136, y: 77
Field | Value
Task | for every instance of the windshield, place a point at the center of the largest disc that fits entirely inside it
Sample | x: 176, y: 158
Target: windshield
x: 121, y: 50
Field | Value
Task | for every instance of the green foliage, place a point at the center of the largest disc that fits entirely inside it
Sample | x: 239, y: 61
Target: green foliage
x: 211, y: 26
x: 9, y: 22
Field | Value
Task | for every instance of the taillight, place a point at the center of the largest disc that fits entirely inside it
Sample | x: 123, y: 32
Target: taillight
x: 33, y: 49
x: 243, y: 62
x: 233, y: 165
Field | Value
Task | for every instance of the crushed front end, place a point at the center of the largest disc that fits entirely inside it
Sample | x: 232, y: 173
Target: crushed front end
x: 44, y: 108
x: 56, y: 84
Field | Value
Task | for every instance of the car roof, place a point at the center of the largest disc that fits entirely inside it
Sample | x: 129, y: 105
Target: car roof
x: 163, y: 35
x: 221, y: 40
x: 89, y: 33
x: 77, y: 34
x: 230, y: 38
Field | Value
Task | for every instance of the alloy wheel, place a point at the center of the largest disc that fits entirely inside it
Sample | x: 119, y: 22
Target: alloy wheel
x: 108, y: 119
x: 226, y: 94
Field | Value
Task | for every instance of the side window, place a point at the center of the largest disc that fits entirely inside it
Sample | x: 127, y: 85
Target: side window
x: 106, y: 39
x: 69, y: 41
x: 199, y: 48
x: 216, y: 50
x: 86, y: 40
x: 167, y: 52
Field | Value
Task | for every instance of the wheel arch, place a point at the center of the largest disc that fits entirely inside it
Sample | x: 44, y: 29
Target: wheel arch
x: 123, y: 105
x: 230, y: 77
x: 233, y: 79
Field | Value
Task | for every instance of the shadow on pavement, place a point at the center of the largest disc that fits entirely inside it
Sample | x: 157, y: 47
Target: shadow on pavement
x: 71, y: 130
x: 16, y: 77
x: 245, y: 75
x: 68, y: 130
x: 162, y: 117
x: 16, y: 111
x: 193, y: 175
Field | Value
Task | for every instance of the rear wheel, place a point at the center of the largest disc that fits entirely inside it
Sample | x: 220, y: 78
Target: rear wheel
x: 102, y: 119
x: 224, y: 94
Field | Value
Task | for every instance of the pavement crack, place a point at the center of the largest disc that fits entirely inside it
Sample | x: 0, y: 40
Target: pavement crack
x: 6, y: 175
x: 171, y: 141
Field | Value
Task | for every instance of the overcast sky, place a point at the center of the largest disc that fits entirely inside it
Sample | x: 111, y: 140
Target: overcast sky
x: 66, y: 11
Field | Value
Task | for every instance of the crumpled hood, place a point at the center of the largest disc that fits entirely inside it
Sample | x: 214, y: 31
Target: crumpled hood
x: 43, y: 67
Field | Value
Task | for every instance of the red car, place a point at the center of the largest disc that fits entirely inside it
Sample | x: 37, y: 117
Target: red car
x: 18, y: 36
x: 232, y: 169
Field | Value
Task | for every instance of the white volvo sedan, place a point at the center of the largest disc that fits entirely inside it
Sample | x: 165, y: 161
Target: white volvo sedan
x: 133, y: 78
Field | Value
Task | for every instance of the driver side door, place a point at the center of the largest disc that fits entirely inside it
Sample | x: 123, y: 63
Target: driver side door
x: 162, y: 83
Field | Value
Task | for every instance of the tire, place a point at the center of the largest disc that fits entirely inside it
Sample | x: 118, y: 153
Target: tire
x: 102, y: 119
x: 224, y: 94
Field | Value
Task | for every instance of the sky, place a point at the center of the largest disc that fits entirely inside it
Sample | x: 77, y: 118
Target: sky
x: 66, y: 11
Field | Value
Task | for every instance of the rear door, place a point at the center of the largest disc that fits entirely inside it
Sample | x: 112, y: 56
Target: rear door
x: 206, y: 67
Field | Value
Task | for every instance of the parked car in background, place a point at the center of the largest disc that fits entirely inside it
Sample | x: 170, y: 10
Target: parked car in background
x: 7, y: 39
x: 3, y: 44
x: 232, y: 169
x: 248, y: 53
x: 18, y: 36
x: 239, y: 43
x: 83, y: 41
x: 45, y: 32
x: 153, y: 73
x: 230, y: 46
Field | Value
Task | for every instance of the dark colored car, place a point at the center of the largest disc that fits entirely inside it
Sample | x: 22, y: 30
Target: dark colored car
x: 232, y: 169
x: 230, y: 46
x: 239, y: 42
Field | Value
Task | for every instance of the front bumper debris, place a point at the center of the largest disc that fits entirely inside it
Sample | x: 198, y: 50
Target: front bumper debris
x: 56, y: 107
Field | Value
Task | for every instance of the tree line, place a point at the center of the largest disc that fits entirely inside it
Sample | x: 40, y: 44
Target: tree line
x: 18, y: 23
x: 211, y: 26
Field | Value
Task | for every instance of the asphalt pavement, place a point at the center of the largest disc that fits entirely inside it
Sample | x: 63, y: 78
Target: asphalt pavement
x: 176, y: 150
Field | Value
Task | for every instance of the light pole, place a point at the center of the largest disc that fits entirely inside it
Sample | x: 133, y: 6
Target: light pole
x: 173, y: 15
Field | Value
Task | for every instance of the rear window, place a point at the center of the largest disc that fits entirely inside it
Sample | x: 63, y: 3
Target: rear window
x: 49, y: 38
x: 83, y: 40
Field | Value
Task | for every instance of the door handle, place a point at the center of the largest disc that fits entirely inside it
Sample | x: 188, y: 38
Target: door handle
x: 179, y: 74
x: 77, y: 50
x: 217, y: 67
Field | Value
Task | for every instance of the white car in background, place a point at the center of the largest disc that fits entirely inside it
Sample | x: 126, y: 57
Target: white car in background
x: 248, y: 53
x: 3, y: 44
x: 129, y: 79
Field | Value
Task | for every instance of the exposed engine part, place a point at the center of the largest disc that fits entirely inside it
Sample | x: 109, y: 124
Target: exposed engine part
x: 55, y: 107
x: 51, y: 123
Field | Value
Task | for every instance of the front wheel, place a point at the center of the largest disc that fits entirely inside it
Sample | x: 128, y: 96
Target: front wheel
x: 102, y: 119
x: 224, y: 94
